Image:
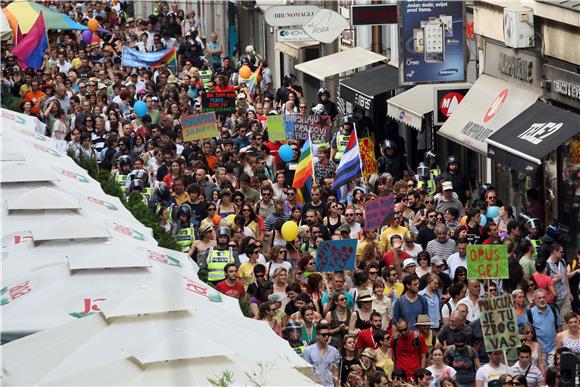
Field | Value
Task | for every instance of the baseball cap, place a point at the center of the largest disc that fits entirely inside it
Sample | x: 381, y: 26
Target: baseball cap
x: 408, y: 262
x: 437, y: 261
x: 447, y: 185
x: 242, y: 96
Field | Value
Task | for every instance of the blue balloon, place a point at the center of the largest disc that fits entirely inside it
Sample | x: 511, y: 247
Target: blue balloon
x: 140, y: 108
x: 286, y: 153
x: 492, y: 212
x: 482, y: 220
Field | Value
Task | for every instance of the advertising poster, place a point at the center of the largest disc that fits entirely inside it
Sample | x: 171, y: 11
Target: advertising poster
x: 446, y: 101
x: 432, y: 41
x: 487, y: 261
x: 498, y: 323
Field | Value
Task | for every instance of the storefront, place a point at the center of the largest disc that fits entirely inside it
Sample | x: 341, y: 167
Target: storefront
x: 511, y: 83
x: 369, y: 90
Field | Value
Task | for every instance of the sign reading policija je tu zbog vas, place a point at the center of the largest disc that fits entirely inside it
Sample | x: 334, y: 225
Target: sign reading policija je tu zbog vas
x: 432, y: 41
x: 487, y: 261
x: 498, y: 323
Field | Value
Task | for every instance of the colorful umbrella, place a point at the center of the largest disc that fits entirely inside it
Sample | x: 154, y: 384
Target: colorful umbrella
x: 25, y: 13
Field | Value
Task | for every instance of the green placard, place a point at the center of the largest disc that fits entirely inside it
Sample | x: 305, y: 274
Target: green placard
x: 276, y: 131
x: 498, y: 323
x: 487, y: 261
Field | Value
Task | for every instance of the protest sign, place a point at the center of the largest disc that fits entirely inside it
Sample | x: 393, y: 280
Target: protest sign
x: 379, y: 211
x: 487, y: 261
x: 219, y: 101
x: 199, y: 126
x: 335, y: 255
x: 367, y: 153
x: 276, y: 130
x: 298, y: 127
x: 498, y: 323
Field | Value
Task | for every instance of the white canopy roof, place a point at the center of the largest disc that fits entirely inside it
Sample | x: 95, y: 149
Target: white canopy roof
x: 340, y: 62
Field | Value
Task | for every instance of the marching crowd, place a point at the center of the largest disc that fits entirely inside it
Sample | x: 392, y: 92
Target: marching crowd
x: 407, y: 314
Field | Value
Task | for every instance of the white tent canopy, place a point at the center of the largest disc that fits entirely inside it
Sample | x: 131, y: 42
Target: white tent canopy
x: 5, y: 31
x: 343, y: 61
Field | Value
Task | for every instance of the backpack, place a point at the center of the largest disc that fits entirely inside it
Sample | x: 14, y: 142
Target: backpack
x: 554, y: 312
x: 416, y: 344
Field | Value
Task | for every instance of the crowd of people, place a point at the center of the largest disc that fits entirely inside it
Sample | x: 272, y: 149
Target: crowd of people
x: 408, y: 313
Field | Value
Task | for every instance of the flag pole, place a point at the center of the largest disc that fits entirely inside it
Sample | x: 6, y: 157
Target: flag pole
x: 311, y: 157
x: 359, y: 155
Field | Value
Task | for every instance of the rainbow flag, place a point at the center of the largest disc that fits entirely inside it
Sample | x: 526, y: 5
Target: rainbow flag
x: 304, y: 172
x: 254, y: 81
x: 131, y: 57
x: 30, y: 49
x: 167, y: 59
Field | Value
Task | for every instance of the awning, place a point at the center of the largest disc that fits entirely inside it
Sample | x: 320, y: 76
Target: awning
x: 340, y: 62
x: 490, y: 104
x: 369, y: 84
x: 292, y: 48
x: 410, y: 106
x: 528, y: 138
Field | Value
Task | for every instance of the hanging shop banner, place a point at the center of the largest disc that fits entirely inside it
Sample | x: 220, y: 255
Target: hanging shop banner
x: 379, y: 211
x: 335, y: 256
x: 446, y: 101
x: 199, y: 126
x: 487, y: 261
x: 498, y: 323
x: 275, y: 126
x: 432, y: 41
x: 219, y: 101
x: 290, y: 15
x: 367, y: 153
x: 300, y: 127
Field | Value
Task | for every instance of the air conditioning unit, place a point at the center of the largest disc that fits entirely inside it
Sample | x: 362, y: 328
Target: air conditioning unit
x: 518, y: 27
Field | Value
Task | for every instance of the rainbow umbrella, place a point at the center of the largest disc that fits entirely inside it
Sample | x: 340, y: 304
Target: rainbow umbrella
x: 25, y: 13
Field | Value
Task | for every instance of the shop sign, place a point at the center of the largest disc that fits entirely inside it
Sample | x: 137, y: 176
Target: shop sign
x: 446, y: 101
x: 325, y: 26
x: 562, y: 85
x: 432, y: 42
x: 355, y: 97
x: 517, y: 66
x: 374, y: 14
x: 538, y: 131
x: 292, y: 35
x: 290, y: 15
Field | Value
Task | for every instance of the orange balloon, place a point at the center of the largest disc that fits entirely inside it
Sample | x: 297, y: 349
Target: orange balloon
x: 245, y: 72
x: 93, y: 25
x: 464, y: 220
x: 217, y: 219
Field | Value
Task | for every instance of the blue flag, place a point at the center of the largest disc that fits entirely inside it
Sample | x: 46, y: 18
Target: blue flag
x: 135, y: 58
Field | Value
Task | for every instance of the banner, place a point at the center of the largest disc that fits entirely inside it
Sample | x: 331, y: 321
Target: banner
x: 379, y: 211
x: 335, y: 255
x: 131, y: 57
x: 432, y: 41
x: 498, y: 323
x: 219, y: 101
x: 487, y: 261
x: 298, y: 126
x: 447, y: 99
x: 275, y: 126
x: 367, y: 153
x: 199, y: 126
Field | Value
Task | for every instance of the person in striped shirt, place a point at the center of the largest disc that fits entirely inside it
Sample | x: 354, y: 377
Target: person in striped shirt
x: 442, y: 245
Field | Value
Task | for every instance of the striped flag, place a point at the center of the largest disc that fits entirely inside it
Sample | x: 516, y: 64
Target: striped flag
x: 349, y: 167
x: 303, y: 175
x: 30, y: 49
x: 253, y: 82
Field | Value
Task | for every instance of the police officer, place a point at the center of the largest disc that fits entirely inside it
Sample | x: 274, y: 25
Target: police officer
x: 324, y: 100
x: 553, y: 234
x: 456, y: 177
x: 425, y: 179
x: 124, y: 165
x: 340, y: 140
x: 137, y: 186
x: 533, y: 228
x: 161, y: 198
x: 293, y: 332
x: 142, y: 175
x: 392, y: 161
x: 430, y: 159
x: 205, y: 73
x: 217, y: 257
x: 182, y: 229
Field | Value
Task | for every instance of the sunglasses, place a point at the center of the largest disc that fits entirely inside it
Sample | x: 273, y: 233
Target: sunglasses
x: 211, y: 209
x: 341, y: 299
x: 326, y: 334
x: 373, y: 272
x: 429, y: 201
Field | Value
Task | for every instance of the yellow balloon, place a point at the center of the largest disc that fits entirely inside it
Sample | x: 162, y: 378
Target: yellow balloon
x: 464, y: 220
x: 289, y: 231
x: 230, y: 218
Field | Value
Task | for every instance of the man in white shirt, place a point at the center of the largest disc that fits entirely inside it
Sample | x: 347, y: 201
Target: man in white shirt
x: 470, y: 300
x: 355, y: 228
x: 492, y: 370
x: 459, y: 258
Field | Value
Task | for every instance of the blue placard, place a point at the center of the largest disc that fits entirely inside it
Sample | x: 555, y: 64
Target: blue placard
x: 432, y: 41
x: 335, y: 255
x: 135, y: 58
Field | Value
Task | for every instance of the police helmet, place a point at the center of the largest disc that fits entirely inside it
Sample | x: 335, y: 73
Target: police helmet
x: 136, y: 185
x: 452, y: 159
x: 184, y: 209
x: 323, y: 90
x: 163, y: 192
x: 318, y: 110
x: 293, y: 326
x: 553, y: 231
x: 289, y: 78
x: 346, y: 120
x: 423, y: 171
x: 389, y: 144
x: 244, y: 60
x: 124, y: 160
x: 143, y: 176
x: 224, y: 231
x: 430, y: 155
